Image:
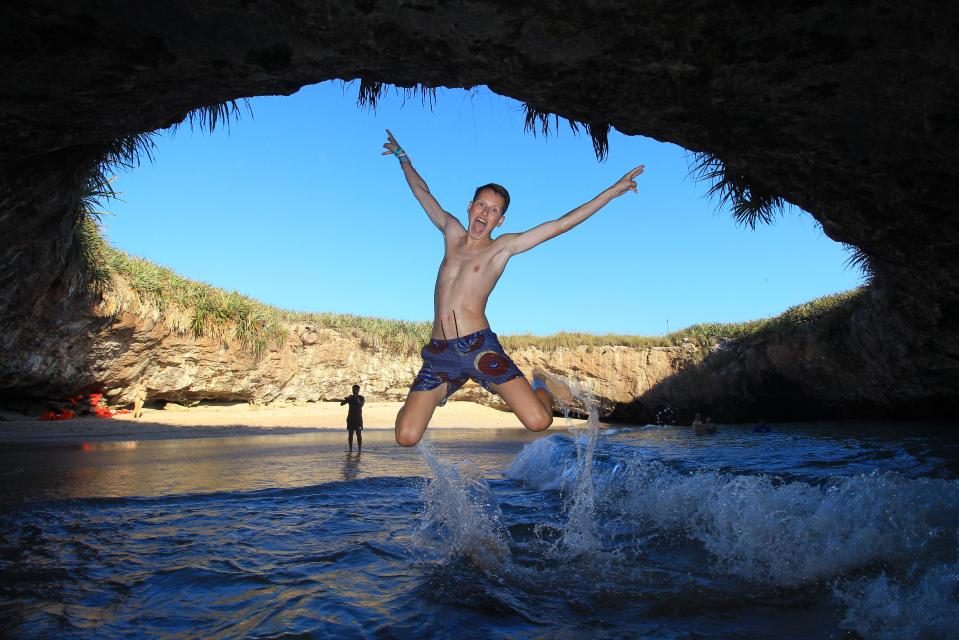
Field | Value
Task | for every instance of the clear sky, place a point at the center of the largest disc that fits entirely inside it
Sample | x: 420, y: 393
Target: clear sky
x: 294, y: 205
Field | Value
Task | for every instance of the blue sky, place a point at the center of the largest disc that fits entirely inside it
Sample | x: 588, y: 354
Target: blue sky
x: 295, y: 206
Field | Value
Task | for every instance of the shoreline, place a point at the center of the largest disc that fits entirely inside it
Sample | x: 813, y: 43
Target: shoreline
x: 241, y: 419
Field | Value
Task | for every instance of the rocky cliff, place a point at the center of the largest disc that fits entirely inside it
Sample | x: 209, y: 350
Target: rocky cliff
x: 799, y: 366
x: 317, y: 363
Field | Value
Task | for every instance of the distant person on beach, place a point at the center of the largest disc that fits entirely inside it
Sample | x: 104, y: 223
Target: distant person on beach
x: 462, y: 345
x: 354, y: 417
x: 139, y: 398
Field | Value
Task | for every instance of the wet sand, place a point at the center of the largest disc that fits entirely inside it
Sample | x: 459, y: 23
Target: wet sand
x: 244, y: 419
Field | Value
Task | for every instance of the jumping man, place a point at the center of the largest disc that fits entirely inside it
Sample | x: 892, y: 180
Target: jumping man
x: 462, y: 345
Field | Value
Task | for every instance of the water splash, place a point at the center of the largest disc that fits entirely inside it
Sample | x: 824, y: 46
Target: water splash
x: 886, y: 543
x: 580, y: 535
x: 924, y: 605
x: 794, y: 533
x: 461, y: 517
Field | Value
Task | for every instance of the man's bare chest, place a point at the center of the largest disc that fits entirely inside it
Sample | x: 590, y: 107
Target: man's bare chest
x: 475, y: 267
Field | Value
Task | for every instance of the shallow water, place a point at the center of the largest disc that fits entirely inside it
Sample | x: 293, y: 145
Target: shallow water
x: 814, y: 530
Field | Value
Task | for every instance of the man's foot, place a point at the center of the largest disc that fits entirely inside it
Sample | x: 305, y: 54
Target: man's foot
x: 558, y: 389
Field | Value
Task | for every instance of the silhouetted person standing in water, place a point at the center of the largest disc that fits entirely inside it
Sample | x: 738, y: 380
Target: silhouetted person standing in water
x: 354, y: 418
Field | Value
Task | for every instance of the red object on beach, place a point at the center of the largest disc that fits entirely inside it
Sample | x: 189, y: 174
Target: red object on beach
x: 95, y: 399
x: 65, y: 414
x: 103, y: 412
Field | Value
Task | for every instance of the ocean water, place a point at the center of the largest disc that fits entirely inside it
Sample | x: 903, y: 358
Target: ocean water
x: 843, y: 530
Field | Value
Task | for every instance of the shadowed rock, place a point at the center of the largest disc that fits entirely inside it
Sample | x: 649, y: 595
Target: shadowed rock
x: 850, y: 113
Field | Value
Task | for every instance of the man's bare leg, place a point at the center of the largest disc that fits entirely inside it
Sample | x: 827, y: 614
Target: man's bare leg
x: 533, y: 408
x: 547, y: 386
x: 414, y: 417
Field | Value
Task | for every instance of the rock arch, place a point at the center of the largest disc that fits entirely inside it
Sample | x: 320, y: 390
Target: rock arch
x: 850, y: 113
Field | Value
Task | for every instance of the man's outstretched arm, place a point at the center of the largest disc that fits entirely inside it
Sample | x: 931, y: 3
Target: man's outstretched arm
x: 525, y: 241
x: 436, y: 213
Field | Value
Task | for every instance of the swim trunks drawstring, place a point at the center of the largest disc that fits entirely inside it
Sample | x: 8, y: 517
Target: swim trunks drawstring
x: 456, y: 327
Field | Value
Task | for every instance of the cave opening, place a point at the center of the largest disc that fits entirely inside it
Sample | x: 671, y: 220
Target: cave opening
x: 292, y: 204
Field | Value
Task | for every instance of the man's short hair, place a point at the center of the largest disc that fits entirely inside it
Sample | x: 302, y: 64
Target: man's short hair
x: 499, y: 190
x: 356, y: 387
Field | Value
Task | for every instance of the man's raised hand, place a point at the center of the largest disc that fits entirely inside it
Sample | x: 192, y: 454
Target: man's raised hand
x: 627, y: 182
x: 391, y: 145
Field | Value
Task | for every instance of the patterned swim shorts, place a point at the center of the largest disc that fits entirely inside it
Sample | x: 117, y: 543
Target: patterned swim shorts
x: 478, y: 355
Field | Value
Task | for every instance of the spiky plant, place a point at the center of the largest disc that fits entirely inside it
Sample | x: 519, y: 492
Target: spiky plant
x: 859, y: 259
x: 751, y: 202
x: 88, y: 249
x: 371, y: 92
x: 540, y: 120
x: 211, y: 116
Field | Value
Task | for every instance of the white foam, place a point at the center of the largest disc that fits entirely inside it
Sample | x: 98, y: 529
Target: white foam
x: 923, y: 606
x: 887, y: 543
x: 461, y: 517
x: 760, y: 527
x: 792, y: 533
x: 545, y: 464
x: 580, y: 535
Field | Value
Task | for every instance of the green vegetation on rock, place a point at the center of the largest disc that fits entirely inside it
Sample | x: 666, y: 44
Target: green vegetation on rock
x: 814, y: 313
x: 202, y: 310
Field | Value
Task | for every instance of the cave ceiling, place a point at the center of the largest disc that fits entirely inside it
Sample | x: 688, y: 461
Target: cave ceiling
x: 849, y: 110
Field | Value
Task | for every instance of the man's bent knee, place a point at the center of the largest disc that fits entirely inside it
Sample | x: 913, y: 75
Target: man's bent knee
x: 407, y: 435
x: 407, y: 438
x: 539, y: 422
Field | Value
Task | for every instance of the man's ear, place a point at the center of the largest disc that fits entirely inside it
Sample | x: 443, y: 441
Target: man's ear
x: 502, y: 218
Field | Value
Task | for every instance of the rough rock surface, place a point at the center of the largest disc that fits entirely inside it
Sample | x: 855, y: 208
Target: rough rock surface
x: 317, y: 363
x: 825, y: 369
x: 850, y: 111
x: 75, y: 351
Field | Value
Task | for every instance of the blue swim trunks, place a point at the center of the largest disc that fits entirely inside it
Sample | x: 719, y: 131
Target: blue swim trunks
x: 478, y: 355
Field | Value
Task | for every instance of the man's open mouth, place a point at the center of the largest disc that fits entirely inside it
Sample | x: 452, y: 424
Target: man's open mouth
x: 479, y: 225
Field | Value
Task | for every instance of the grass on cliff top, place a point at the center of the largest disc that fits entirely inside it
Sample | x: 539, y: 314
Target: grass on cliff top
x: 197, y: 308
x: 827, y: 312
x: 188, y: 306
x: 147, y: 289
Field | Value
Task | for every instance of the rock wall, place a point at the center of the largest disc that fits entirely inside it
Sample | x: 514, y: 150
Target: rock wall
x: 841, y: 364
x: 69, y: 349
x: 317, y: 363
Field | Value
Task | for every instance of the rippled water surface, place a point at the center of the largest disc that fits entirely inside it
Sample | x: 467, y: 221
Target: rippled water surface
x: 810, y: 531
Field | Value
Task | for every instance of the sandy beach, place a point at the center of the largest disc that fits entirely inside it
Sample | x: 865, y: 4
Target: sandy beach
x: 244, y: 419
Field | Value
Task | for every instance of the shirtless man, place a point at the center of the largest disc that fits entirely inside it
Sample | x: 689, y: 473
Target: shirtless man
x: 462, y: 345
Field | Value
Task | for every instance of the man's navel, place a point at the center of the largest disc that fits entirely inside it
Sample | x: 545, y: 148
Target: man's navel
x: 476, y: 268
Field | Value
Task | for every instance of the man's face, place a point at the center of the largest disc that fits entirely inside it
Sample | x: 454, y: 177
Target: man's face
x: 485, y: 213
